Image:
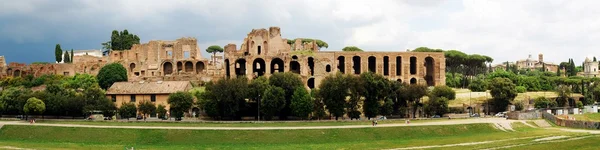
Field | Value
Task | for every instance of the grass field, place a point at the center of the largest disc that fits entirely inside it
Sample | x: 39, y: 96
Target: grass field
x: 464, y: 96
x: 225, y: 124
x: 588, y: 116
x: 41, y: 137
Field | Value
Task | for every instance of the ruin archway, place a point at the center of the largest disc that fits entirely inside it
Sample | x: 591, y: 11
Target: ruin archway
x: 179, y: 66
x: 168, y: 68
x: 372, y: 62
x: 277, y: 65
x: 265, y: 47
x: 386, y: 65
x: 342, y: 64
x: 258, y: 67
x: 429, y: 71
x: 311, y: 83
x: 399, y: 80
x: 328, y: 68
x: 9, y: 72
x: 17, y: 73
x: 131, y: 67
x: 227, y: 71
x: 413, y: 81
x: 398, y: 65
x: 200, y: 67
x: 311, y: 65
x: 240, y: 67
x: 189, y: 66
x: 356, y: 64
x: 413, y: 65
x: 295, y: 67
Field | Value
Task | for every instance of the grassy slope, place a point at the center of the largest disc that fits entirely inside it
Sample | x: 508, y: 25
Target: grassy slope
x: 363, y: 138
x: 588, y: 117
x: 463, y: 95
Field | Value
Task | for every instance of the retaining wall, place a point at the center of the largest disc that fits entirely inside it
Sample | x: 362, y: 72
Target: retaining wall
x: 571, y: 123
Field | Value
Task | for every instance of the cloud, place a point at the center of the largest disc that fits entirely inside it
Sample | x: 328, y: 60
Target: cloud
x: 506, y: 30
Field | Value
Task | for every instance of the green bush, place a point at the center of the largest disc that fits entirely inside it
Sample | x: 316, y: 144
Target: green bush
x: 521, y: 89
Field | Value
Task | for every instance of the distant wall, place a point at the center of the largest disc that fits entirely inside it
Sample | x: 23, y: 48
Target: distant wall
x: 524, y: 115
x: 571, y: 123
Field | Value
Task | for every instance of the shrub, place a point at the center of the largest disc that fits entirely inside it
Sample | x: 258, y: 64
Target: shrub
x: 521, y: 89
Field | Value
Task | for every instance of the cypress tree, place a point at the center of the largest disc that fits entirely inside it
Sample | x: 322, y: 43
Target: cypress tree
x: 58, y: 53
x: 71, y: 59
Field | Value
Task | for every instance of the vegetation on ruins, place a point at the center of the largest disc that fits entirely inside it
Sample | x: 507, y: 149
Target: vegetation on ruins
x: 127, y: 110
x: 180, y: 102
x: 110, y: 74
x: 214, y: 49
x: 351, y: 49
x: 58, y: 53
x: 120, y: 41
x: 320, y: 43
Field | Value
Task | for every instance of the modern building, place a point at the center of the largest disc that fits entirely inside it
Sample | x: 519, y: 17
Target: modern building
x: 136, y: 92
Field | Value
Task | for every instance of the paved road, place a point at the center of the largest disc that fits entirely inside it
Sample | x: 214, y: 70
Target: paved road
x: 503, y: 124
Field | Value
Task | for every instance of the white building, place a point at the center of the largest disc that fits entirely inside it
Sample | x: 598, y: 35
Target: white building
x: 91, y: 52
x: 590, y: 68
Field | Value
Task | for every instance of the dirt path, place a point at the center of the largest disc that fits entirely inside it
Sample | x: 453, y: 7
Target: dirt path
x: 505, y: 124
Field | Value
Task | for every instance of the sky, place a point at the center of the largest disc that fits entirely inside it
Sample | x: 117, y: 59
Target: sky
x: 506, y: 30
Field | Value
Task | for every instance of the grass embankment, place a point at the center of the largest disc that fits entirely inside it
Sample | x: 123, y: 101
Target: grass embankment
x: 588, y: 117
x: 361, y: 138
x: 464, y: 96
x: 237, y: 124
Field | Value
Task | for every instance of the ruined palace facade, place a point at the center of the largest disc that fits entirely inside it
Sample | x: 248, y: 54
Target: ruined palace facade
x: 264, y: 52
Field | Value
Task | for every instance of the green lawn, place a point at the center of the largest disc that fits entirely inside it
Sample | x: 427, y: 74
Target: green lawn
x: 588, y: 116
x: 43, y: 137
x: 225, y: 124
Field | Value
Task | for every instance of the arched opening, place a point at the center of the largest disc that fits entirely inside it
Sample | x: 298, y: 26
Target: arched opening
x: 386, y: 65
x: 9, y: 71
x: 131, y: 67
x: 413, y: 81
x: 17, y: 73
x: 240, y: 67
x: 251, y: 46
x: 168, y: 68
x: 295, y: 67
x: 429, y: 72
x: 227, y: 71
x: 179, y: 66
x: 413, y: 65
x: 311, y: 83
x: 277, y: 65
x: 356, y: 64
x: 398, y: 65
x: 342, y: 64
x: 311, y: 66
x: 189, y: 67
x: 399, y: 80
x: 258, y: 67
x: 200, y: 67
x: 258, y: 50
x: 328, y: 68
x: 294, y: 57
x: 372, y: 61
x: 265, y: 47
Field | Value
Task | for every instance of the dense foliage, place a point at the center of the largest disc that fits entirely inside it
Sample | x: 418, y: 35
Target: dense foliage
x: 120, y: 41
x: 351, y: 49
x: 110, y: 74
x: 180, y: 103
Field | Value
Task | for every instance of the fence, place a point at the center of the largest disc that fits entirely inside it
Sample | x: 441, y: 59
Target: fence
x: 571, y: 123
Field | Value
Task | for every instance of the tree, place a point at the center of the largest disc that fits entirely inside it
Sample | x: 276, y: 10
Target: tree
x: 225, y: 98
x: 302, y: 104
x: 289, y: 82
x: 443, y: 91
x: 34, y: 106
x: 109, y: 108
x: 351, y: 49
x: 478, y: 85
x: 413, y: 94
x: 180, y: 102
x: 503, y: 91
x: 319, y: 106
x: 257, y: 88
x: 127, y: 110
x: 67, y: 57
x: 333, y: 92
x: 161, y: 111
x: 14, y: 98
x: 376, y: 90
x: 214, y: 50
x: 436, y: 106
x: 564, y: 93
x: 58, y: 53
x: 123, y: 40
x: 387, y: 108
x: 110, y: 74
x: 543, y: 102
x: 273, y: 101
x: 319, y: 43
x: 146, y: 108
x: 81, y: 81
x: 71, y: 58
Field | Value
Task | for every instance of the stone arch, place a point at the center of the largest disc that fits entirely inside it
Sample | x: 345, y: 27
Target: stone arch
x: 295, y: 67
x: 311, y: 66
x: 189, y: 66
x: 386, y: 65
x: 200, y: 66
x: 413, y: 81
x: 327, y: 68
x: 341, y: 64
x: 240, y: 67
x: 167, y: 68
x: 131, y: 67
x: 265, y: 47
x: 258, y: 67
x: 399, y: 80
x: 179, y: 66
x: 413, y: 65
x: 277, y: 65
x: 17, y: 73
x: 227, y: 69
x: 429, y: 71
x: 251, y: 45
x: 356, y: 64
x: 9, y: 71
x: 398, y: 65
x: 294, y: 57
x: 311, y: 83
x: 372, y: 62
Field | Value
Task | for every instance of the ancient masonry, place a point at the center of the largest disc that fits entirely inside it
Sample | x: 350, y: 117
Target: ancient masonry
x: 262, y: 53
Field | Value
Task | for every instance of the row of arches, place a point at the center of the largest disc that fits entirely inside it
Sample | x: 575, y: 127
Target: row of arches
x: 259, y: 66
x: 187, y: 66
x: 429, y: 64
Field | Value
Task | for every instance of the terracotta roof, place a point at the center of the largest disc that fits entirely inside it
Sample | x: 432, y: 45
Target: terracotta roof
x: 160, y: 87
